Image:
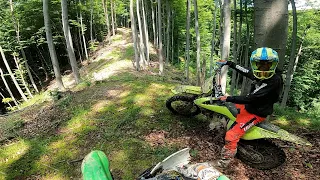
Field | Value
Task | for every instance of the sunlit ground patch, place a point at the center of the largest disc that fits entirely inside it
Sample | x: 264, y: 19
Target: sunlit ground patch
x: 12, y: 152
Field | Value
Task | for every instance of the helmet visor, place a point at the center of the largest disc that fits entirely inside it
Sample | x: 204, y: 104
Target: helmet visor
x: 263, y: 65
x: 263, y: 74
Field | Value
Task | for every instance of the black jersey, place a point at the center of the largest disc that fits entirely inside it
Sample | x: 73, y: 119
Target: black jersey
x: 263, y: 93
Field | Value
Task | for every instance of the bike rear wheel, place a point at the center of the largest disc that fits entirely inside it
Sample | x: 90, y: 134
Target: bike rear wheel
x: 260, y: 153
x: 182, y: 105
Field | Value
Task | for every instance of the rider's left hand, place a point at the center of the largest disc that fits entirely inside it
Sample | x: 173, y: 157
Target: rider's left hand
x: 223, y: 98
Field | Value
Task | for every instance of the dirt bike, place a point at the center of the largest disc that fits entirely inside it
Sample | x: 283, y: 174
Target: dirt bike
x: 95, y: 166
x: 255, y: 147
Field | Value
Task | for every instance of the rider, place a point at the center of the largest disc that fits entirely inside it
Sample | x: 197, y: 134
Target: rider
x: 258, y: 104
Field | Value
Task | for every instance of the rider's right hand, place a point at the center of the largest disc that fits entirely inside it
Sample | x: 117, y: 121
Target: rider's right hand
x: 221, y: 62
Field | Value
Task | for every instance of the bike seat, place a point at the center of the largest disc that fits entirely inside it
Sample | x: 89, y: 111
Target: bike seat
x: 268, y: 126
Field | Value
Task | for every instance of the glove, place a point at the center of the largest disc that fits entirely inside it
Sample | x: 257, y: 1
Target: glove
x: 222, y: 98
x: 222, y: 62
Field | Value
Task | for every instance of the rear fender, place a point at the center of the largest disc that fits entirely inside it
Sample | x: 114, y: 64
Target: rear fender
x: 260, y: 133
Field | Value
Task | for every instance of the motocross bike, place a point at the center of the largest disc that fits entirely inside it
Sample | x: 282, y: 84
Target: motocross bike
x: 254, y: 147
x: 95, y: 166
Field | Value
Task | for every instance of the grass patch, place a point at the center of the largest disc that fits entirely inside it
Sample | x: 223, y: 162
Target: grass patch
x: 290, y: 119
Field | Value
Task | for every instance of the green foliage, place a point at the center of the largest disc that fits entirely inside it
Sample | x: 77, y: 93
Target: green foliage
x: 305, y: 87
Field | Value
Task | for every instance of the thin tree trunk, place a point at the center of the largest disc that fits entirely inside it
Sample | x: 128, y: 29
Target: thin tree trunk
x: 157, y: 27
x: 8, y: 88
x: 83, y: 35
x: 153, y: 23
x: 22, y: 76
x: 81, y: 52
x: 239, y: 43
x: 52, y: 50
x: 188, y: 40
x: 234, y: 47
x: 115, y: 17
x: 292, y: 62
x: 44, y: 65
x: 213, y: 36
x: 163, y: 31
x: 134, y: 36
x: 168, y: 30
x: 245, y: 88
x: 141, y: 44
x: 198, y: 40
x: 112, y: 18
x: 29, y: 72
x: 146, y: 33
x: 225, y: 42
x: 67, y: 35
x: 105, y: 9
x: 91, y: 20
x: 12, y: 75
x: 172, y: 30
x: 160, y: 39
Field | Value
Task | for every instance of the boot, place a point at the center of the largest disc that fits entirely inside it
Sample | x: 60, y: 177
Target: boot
x: 227, y: 156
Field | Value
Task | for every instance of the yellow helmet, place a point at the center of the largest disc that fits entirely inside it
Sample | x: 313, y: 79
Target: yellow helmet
x: 264, y: 62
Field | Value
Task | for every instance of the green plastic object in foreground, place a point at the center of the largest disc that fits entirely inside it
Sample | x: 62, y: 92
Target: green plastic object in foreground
x: 95, y: 166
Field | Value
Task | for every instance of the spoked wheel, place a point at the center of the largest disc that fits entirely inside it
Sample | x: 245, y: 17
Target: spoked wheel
x: 261, y: 154
x: 182, y: 105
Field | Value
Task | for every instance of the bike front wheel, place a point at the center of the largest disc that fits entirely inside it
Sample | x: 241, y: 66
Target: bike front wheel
x: 183, y: 105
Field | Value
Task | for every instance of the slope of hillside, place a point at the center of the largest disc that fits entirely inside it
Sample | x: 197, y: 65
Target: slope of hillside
x: 122, y: 112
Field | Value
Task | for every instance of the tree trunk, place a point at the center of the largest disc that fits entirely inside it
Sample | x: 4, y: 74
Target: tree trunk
x: 271, y: 26
x: 293, y: 62
x: 8, y: 88
x: 225, y: 42
x: 91, y: 21
x: 134, y: 36
x: 213, y: 36
x: 112, y: 18
x: 83, y: 35
x: 234, y: 47
x: 22, y: 76
x: 198, y: 40
x: 52, y: 50
x: 29, y: 72
x: 105, y: 9
x: 172, y: 29
x: 160, y: 53
x: 153, y: 24
x: 12, y: 75
x: 239, y: 43
x: 168, y: 30
x: 67, y: 35
x: 141, y: 44
x: 245, y: 88
x: 157, y: 27
x: 146, y: 33
x: 188, y: 40
x: 115, y: 17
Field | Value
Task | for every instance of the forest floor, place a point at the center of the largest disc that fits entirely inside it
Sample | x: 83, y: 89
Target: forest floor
x: 122, y: 112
